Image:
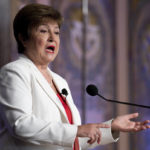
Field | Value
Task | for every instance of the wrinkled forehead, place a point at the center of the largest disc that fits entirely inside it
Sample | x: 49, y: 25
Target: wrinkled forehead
x: 44, y: 22
x: 48, y: 21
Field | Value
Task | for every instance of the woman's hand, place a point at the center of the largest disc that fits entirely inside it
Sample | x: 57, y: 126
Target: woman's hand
x: 91, y: 131
x: 124, y: 124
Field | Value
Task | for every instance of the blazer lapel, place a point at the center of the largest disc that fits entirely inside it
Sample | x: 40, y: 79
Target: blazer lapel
x: 60, y: 84
x: 46, y: 87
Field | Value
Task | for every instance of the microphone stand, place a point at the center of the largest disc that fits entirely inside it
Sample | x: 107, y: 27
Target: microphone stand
x: 115, y: 101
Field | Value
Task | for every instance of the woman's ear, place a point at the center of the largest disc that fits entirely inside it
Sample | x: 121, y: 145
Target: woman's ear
x: 22, y: 39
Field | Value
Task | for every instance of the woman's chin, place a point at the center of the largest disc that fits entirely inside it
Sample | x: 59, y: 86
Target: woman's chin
x: 51, y: 59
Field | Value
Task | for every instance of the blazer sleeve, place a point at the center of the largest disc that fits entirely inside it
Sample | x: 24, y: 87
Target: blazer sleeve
x: 16, y: 111
x: 106, y: 138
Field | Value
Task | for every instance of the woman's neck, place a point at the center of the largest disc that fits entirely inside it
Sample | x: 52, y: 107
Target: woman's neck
x: 41, y: 66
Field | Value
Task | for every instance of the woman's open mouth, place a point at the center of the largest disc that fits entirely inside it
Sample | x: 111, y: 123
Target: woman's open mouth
x: 50, y: 49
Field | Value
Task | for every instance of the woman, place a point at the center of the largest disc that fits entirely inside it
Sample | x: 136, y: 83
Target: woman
x: 34, y: 113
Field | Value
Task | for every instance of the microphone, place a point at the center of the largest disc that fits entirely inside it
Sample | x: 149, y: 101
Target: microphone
x: 93, y: 91
x: 64, y: 92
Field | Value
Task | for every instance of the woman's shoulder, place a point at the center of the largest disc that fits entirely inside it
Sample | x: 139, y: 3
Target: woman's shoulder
x: 15, y: 65
x: 18, y: 66
x: 16, y: 73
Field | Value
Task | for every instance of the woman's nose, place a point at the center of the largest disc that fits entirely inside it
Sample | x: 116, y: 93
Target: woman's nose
x: 51, y: 37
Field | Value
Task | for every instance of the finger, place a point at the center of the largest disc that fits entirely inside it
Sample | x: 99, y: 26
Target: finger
x: 141, y: 127
x: 143, y: 123
x: 95, y: 137
x: 89, y: 141
x: 98, y: 137
x: 137, y: 128
x: 148, y: 126
x: 134, y: 115
x: 145, y: 127
x: 92, y: 139
x: 139, y: 123
x: 100, y: 125
x: 146, y: 122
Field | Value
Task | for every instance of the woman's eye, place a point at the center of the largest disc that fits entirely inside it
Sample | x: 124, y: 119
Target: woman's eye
x: 43, y: 31
x: 57, y: 32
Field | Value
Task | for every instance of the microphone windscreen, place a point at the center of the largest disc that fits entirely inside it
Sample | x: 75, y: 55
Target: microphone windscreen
x: 92, y: 90
x: 64, y: 92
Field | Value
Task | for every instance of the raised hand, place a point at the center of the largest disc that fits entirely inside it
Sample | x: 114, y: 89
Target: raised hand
x: 91, y: 131
x: 124, y: 124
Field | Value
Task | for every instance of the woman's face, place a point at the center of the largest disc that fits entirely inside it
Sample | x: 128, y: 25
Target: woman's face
x: 43, y: 45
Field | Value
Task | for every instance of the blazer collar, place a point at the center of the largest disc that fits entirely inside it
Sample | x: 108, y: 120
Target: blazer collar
x: 46, y: 87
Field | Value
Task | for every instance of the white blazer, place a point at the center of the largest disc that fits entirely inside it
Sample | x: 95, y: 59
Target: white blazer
x: 32, y: 116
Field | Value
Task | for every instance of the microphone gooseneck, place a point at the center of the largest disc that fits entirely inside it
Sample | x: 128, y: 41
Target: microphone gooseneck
x: 93, y: 91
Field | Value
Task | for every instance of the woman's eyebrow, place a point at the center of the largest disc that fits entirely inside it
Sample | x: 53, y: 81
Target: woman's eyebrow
x: 44, y: 25
x: 56, y: 26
